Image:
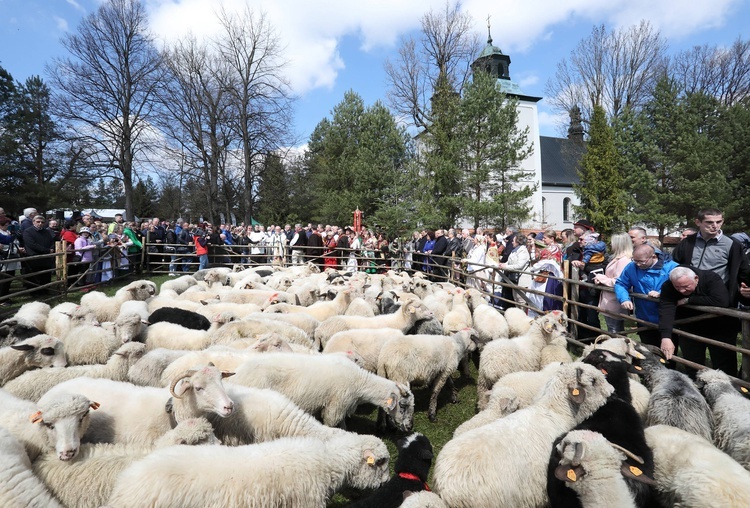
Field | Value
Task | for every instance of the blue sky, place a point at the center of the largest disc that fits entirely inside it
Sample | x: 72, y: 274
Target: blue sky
x: 337, y: 45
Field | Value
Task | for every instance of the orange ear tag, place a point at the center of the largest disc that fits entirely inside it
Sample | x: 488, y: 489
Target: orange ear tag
x: 638, y: 367
x: 744, y: 390
x: 36, y: 417
x: 604, y: 371
x: 635, y: 471
x: 662, y: 360
x: 575, y: 392
x: 389, y: 402
x: 371, y: 460
x: 571, y: 475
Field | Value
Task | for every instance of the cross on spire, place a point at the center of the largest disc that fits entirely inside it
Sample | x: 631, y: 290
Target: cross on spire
x: 489, y: 35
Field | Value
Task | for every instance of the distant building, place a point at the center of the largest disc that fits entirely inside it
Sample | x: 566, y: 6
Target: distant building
x: 554, y: 160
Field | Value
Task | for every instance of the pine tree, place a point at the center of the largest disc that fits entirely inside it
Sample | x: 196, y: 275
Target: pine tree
x: 601, y: 188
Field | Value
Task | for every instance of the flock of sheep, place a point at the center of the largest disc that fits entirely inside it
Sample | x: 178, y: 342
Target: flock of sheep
x: 232, y: 389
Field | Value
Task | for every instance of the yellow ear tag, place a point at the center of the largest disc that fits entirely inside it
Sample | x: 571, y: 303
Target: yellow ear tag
x: 635, y: 471
x: 662, y: 360
x: 638, y: 367
x: 389, y: 402
x: 744, y: 390
x: 36, y: 417
x: 571, y: 475
x: 371, y: 460
x: 575, y: 392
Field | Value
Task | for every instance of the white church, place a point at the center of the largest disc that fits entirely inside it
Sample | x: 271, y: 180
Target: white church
x: 553, y: 161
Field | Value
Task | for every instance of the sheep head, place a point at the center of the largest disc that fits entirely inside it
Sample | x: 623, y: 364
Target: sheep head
x: 200, y: 390
x: 400, y: 407
x: 583, y: 386
x: 272, y: 343
x: 584, y: 455
x: 371, y: 469
x: 63, y: 419
x: 42, y: 351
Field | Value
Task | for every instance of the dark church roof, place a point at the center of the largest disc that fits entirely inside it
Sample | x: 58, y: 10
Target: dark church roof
x: 560, y: 158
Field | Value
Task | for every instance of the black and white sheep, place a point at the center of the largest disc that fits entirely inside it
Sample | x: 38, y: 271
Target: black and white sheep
x: 730, y: 411
x: 33, y: 315
x: 329, y: 385
x: 36, y: 352
x: 618, y: 421
x: 675, y: 400
x: 33, y: 384
x: 504, y: 463
x: 411, y: 470
x: 11, y: 331
x: 596, y: 470
x: 260, y: 473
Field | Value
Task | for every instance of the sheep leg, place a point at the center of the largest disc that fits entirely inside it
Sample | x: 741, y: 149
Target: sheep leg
x: 381, y: 424
x: 436, y: 387
x: 483, y: 392
x: 465, y: 368
x: 454, y: 391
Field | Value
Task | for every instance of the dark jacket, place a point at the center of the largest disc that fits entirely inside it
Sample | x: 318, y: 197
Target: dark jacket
x: 737, y: 267
x: 710, y: 292
x: 440, y: 249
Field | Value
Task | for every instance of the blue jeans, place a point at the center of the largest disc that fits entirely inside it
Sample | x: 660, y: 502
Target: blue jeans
x: 203, y: 261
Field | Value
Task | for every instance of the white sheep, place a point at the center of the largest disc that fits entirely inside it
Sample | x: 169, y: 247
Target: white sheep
x: 33, y: 314
x: 692, y: 472
x: 501, y: 357
x: 326, y: 309
x: 730, y: 411
x: 489, y: 323
x: 65, y: 316
x: 555, y: 352
x: 306, y: 323
x: 19, y: 486
x: 107, y: 309
x: 526, y: 384
x: 367, y: 343
x: 328, y: 385
x: 139, y: 307
x: 147, y: 371
x: 459, y: 317
x: 40, y: 351
x: 518, y: 322
x: 422, y: 499
x: 239, y: 310
x: 426, y: 360
x: 255, y: 296
x: 596, y: 469
x: 33, y: 384
x: 168, y: 298
x: 178, y: 285
x: 89, y: 344
x: 504, y: 463
x: 142, y: 414
x: 171, y: 336
x: 503, y: 401
x: 57, y: 422
x: 360, y: 307
x: 87, y: 480
x: 403, y: 320
x: 302, y: 472
x: 226, y: 360
x: 253, y: 328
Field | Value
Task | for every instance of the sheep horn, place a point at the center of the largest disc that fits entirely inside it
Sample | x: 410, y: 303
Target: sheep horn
x: 403, y: 390
x: 578, y: 454
x: 600, y: 338
x: 627, y: 452
x: 184, y: 375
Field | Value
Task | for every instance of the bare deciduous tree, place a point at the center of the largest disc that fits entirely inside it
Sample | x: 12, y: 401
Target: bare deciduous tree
x: 615, y: 70
x: 259, y: 93
x: 723, y: 73
x: 445, y: 51
x: 199, y: 116
x: 106, y: 90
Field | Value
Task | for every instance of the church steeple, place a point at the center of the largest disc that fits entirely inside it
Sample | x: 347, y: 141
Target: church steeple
x: 493, y: 61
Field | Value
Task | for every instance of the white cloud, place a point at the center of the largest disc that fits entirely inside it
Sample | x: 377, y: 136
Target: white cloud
x: 552, y: 124
x: 526, y: 80
x: 61, y: 23
x: 313, y: 31
x: 76, y: 5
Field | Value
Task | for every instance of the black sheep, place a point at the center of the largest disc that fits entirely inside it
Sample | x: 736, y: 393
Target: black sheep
x: 412, y: 468
x: 11, y: 331
x: 182, y: 317
x: 617, y: 421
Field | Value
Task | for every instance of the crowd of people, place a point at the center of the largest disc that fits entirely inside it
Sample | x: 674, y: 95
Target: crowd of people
x: 707, y: 267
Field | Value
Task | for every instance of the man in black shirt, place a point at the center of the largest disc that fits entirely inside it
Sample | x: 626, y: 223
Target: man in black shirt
x: 691, y: 286
x: 38, y: 240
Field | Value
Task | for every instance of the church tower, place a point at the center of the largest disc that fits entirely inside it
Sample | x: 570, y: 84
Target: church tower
x: 494, y: 61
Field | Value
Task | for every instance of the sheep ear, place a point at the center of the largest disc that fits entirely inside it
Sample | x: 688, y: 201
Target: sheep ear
x: 390, y: 403
x: 22, y: 347
x: 577, y: 395
x: 569, y: 473
x: 369, y: 457
x: 225, y: 374
x: 635, y: 473
x: 36, y: 417
x: 548, y: 326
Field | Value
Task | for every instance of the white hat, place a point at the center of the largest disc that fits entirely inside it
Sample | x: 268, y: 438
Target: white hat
x: 84, y: 230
